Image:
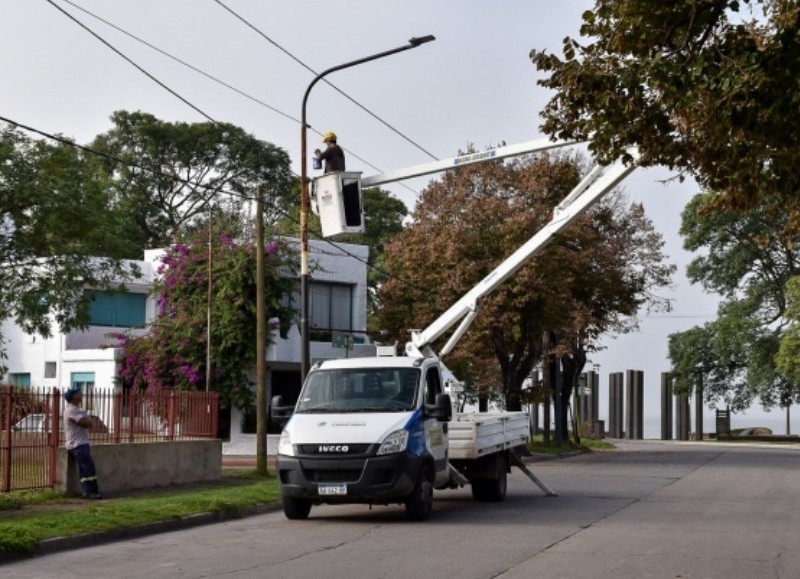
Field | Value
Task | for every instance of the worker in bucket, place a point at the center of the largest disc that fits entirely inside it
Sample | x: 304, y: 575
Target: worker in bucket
x: 333, y: 155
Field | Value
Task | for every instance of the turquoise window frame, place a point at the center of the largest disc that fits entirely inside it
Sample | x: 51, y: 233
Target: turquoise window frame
x: 82, y: 380
x: 21, y: 379
x: 117, y: 309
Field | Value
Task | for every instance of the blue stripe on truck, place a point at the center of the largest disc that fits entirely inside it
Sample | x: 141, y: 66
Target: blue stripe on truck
x: 416, y: 433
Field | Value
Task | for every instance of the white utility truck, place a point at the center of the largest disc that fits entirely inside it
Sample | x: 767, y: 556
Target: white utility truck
x: 384, y: 430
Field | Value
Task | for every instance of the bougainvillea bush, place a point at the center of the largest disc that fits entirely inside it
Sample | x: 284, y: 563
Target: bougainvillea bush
x: 172, y: 354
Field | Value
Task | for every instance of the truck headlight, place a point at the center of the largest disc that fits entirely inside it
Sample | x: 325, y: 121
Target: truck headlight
x: 394, y: 443
x: 285, y: 444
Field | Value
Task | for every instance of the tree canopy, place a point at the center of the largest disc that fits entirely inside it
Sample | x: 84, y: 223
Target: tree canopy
x: 173, y: 352
x: 748, y: 259
x: 705, y: 87
x: 588, y: 281
x: 175, y: 173
x: 57, y: 235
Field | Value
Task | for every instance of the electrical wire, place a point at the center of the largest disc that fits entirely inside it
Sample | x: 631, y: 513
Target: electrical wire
x: 216, y: 190
x: 218, y: 81
x: 334, y: 87
x: 139, y: 68
x: 182, y: 62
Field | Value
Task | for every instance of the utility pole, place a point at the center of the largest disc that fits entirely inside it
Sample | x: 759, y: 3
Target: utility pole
x: 261, y: 340
x: 209, y: 292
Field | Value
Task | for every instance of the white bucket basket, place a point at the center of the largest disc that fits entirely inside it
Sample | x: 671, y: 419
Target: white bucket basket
x: 337, y: 201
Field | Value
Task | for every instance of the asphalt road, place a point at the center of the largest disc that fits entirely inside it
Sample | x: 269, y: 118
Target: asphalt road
x: 651, y: 509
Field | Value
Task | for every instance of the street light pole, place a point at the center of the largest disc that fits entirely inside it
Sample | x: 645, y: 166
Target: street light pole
x: 305, y: 357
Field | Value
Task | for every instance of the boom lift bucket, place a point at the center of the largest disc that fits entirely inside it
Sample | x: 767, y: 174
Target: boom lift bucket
x: 336, y: 198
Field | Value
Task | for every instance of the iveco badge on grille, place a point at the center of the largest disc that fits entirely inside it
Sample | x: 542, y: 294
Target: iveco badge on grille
x: 333, y: 448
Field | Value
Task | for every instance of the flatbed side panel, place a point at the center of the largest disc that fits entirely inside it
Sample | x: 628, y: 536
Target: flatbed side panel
x: 475, y: 435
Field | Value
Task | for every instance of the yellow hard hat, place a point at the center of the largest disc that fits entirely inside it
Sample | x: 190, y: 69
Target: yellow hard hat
x: 329, y: 136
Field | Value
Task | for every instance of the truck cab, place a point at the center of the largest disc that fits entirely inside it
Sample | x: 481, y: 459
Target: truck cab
x: 366, y: 430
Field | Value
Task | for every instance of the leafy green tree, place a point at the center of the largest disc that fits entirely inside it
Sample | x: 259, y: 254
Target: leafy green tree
x: 586, y: 282
x: 173, y: 352
x: 788, y: 357
x: 747, y: 258
x: 54, y: 221
x: 703, y: 87
x: 178, y: 172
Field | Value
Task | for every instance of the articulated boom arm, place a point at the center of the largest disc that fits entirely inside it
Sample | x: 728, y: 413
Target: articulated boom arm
x: 468, y: 159
x: 589, y: 191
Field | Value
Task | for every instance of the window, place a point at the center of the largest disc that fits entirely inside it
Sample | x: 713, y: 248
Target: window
x: 118, y: 310
x: 82, y: 380
x: 433, y: 385
x: 331, y: 306
x: 50, y: 369
x: 21, y: 379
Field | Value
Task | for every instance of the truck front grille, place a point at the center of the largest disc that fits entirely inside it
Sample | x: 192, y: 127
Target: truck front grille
x: 333, y: 476
x: 333, y: 449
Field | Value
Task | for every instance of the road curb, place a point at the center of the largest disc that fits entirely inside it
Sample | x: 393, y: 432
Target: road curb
x: 58, y: 544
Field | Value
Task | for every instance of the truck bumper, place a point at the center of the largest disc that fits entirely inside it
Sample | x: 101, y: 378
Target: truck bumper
x: 378, y: 479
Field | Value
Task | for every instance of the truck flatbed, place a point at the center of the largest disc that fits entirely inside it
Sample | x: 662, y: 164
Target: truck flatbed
x: 475, y: 435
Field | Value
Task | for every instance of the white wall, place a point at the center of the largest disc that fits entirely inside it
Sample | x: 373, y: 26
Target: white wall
x: 76, y: 351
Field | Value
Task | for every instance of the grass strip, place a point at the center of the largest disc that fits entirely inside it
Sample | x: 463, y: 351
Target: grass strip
x: 538, y: 446
x: 21, y: 530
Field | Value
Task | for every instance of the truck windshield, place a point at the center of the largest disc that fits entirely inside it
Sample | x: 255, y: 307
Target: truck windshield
x: 360, y: 390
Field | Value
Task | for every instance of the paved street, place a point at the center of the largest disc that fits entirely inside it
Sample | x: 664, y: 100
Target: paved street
x: 651, y: 509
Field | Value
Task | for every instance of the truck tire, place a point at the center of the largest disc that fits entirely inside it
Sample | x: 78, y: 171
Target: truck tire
x: 420, y: 502
x: 296, y: 509
x: 492, y: 490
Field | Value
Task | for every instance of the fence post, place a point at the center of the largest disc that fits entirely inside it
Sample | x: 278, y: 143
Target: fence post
x: 117, y: 417
x: 171, y: 415
x: 8, y: 398
x: 54, y: 435
x: 214, y: 414
x: 133, y: 403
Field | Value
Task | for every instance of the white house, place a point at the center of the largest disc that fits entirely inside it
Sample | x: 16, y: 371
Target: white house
x: 338, y: 304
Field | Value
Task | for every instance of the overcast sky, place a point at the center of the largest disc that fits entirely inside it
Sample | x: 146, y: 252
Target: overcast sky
x: 474, y: 84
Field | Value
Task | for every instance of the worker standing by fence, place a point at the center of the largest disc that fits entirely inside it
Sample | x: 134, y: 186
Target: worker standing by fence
x: 77, y: 425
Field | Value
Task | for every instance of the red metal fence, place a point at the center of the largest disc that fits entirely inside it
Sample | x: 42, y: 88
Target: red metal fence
x: 28, y: 441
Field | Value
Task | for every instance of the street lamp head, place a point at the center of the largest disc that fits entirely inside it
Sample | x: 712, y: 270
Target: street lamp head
x: 422, y: 40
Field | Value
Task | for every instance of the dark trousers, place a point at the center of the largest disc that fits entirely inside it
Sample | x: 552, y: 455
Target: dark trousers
x: 86, y: 469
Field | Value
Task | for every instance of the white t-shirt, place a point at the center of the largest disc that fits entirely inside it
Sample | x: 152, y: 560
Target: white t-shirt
x: 76, y: 434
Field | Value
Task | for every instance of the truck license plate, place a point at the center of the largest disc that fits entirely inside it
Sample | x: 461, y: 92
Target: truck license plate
x: 332, y: 489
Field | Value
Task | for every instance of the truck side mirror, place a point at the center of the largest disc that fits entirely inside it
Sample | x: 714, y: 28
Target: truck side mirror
x: 442, y: 410
x: 279, y: 411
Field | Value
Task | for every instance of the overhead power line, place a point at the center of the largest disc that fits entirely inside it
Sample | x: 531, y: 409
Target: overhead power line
x: 139, y: 68
x: 181, y: 62
x: 215, y: 79
x: 334, y: 87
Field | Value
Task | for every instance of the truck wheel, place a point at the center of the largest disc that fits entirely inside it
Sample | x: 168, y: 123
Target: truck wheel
x: 492, y: 490
x: 296, y: 509
x: 420, y: 503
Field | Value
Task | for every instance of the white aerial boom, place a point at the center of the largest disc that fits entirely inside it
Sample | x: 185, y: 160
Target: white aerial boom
x: 597, y: 183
